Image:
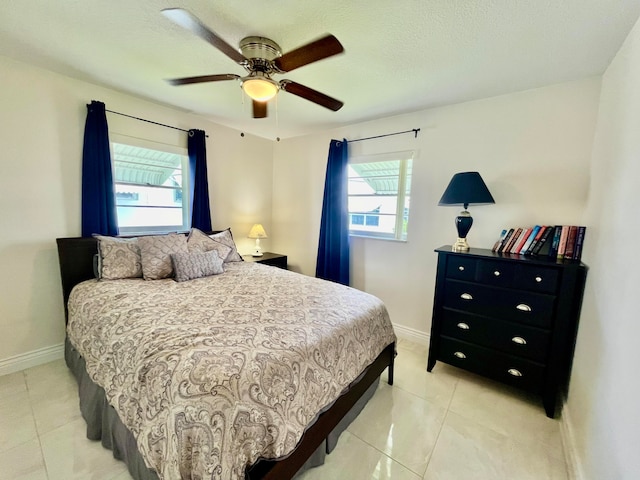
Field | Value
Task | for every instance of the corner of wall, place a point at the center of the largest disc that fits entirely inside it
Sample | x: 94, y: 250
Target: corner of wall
x: 569, y: 446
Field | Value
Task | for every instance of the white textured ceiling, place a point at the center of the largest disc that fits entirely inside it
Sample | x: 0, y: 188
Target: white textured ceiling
x: 400, y: 55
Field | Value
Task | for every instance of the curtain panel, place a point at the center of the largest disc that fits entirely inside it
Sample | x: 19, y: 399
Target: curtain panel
x: 200, y: 209
x: 333, y: 246
x: 98, y: 193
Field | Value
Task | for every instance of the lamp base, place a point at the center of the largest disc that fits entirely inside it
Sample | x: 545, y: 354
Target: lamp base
x: 463, y: 225
x: 461, y: 245
x: 257, y: 250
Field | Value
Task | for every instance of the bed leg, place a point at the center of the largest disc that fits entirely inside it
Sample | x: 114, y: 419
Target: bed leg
x: 392, y: 355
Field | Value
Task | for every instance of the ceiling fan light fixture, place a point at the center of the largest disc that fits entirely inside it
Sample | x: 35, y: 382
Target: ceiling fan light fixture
x: 260, y: 88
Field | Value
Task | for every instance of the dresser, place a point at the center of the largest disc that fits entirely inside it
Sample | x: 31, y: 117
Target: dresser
x: 512, y: 318
x: 269, y: 258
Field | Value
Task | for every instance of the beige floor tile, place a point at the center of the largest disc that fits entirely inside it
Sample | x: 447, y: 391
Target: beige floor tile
x: 466, y: 449
x: 123, y: 476
x: 55, y: 410
x: 16, y: 421
x: 23, y: 462
x: 12, y: 384
x: 506, y: 410
x: 353, y: 459
x: 401, y: 425
x: 69, y: 455
x: 50, y: 378
x: 53, y: 392
x: 410, y: 374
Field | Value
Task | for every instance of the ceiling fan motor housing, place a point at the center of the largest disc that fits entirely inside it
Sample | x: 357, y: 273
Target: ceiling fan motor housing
x: 260, y: 47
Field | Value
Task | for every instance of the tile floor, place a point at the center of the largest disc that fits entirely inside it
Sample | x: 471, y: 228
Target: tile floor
x: 447, y: 424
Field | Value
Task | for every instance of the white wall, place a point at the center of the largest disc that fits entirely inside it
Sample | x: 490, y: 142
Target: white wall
x: 42, y: 117
x: 605, y: 387
x: 532, y: 148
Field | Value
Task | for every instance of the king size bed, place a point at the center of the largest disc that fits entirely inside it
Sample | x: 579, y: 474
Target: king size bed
x: 252, y: 372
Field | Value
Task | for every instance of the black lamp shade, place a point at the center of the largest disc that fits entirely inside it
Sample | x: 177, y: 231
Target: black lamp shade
x: 466, y: 188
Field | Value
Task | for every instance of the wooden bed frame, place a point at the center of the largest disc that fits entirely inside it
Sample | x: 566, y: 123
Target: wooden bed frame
x: 76, y: 256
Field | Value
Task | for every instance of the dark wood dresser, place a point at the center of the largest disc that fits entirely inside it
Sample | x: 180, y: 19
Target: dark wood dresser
x: 513, y: 318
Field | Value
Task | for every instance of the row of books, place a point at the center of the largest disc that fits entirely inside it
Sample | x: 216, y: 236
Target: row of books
x: 563, y: 242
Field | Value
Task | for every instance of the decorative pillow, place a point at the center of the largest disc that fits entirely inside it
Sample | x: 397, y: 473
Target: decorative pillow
x: 156, y: 253
x: 226, y: 238
x: 198, y: 241
x: 118, y: 258
x: 188, y: 266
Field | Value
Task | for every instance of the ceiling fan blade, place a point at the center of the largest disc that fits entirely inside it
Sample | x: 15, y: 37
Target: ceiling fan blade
x: 309, y: 53
x: 203, y: 78
x: 259, y: 109
x: 189, y: 21
x: 311, y: 95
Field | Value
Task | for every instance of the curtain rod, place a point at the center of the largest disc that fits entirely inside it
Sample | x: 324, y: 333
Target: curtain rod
x: 150, y: 121
x: 414, y: 130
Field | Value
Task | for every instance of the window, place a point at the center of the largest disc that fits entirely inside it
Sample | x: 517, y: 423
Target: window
x: 379, y: 193
x: 150, y: 185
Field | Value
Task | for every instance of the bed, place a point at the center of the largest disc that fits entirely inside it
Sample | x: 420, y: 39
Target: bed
x: 117, y: 362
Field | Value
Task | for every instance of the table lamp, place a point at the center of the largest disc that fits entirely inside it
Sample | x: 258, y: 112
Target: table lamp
x: 466, y: 188
x: 257, y: 232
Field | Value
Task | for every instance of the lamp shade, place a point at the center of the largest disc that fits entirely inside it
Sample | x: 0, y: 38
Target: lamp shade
x: 466, y: 188
x: 257, y: 231
x: 260, y: 88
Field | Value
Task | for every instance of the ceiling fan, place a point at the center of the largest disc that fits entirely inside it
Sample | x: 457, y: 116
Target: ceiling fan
x: 261, y: 57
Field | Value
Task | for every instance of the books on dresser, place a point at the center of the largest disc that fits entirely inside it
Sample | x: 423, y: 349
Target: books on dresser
x: 563, y: 242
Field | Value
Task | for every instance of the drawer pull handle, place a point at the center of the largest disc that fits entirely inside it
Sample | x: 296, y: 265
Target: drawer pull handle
x: 463, y: 326
x: 538, y: 279
x: 497, y: 273
x: 514, y: 372
x: 466, y: 296
x: 460, y: 355
x: 519, y: 340
x: 523, y: 307
x: 461, y: 268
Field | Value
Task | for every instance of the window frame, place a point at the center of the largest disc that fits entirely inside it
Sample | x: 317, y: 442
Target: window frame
x: 405, y: 158
x: 162, y: 147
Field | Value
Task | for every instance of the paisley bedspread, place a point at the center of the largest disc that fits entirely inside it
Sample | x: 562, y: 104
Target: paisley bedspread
x: 212, y: 374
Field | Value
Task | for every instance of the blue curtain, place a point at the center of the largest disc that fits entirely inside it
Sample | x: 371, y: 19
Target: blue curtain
x: 200, y: 210
x: 98, y: 193
x: 333, y: 247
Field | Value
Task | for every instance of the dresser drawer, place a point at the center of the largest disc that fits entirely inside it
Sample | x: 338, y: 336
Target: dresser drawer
x: 512, y: 305
x: 499, y: 274
x: 499, y: 366
x: 508, y: 337
x: 461, y: 268
x: 537, y: 279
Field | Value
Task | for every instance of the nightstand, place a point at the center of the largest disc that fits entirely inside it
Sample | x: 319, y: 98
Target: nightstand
x: 269, y: 258
x: 513, y: 318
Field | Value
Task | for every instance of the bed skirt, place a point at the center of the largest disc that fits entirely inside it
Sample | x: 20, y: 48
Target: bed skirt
x: 104, y: 424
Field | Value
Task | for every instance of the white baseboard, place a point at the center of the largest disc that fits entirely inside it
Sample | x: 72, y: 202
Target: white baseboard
x: 411, y: 334
x: 567, y: 433
x: 31, y: 359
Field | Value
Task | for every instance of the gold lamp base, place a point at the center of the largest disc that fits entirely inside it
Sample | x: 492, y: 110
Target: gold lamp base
x: 461, y: 245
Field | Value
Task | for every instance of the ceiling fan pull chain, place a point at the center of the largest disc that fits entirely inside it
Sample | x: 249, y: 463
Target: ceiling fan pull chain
x: 277, y: 124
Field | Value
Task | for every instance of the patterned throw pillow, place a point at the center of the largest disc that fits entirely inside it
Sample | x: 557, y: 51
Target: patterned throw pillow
x: 198, y: 241
x: 118, y: 258
x: 226, y: 238
x: 156, y: 253
x: 188, y: 266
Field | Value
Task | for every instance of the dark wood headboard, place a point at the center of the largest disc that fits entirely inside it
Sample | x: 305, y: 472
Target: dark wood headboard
x: 75, y: 255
